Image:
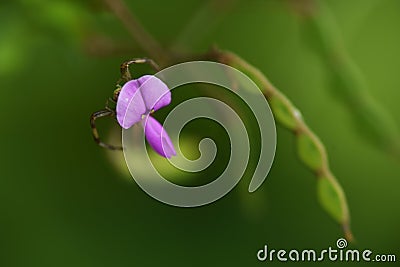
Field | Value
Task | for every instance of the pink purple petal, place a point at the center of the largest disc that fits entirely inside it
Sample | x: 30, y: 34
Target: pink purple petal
x: 155, y: 92
x: 139, y: 97
x: 158, y: 138
x: 130, y: 105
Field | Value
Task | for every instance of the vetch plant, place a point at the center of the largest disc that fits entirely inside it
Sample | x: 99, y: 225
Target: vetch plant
x: 310, y: 149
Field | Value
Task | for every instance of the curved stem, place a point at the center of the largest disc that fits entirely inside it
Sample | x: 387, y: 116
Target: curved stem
x: 298, y: 127
x: 138, y: 33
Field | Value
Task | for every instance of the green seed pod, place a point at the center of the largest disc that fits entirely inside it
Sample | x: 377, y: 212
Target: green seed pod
x: 330, y: 199
x: 284, y: 114
x: 309, y: 152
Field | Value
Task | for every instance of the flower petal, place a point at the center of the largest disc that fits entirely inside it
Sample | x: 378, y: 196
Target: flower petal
x: 139, y: 97
x: 158, y: 138
x: 130, y: 105
x: 155, y: 92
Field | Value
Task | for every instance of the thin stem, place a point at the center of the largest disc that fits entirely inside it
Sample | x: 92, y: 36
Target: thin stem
x: 202, y: 23
x: 348, y: 83
x: 138, y: 33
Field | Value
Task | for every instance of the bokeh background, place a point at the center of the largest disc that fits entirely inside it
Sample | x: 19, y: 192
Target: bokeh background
x: 66, y: 202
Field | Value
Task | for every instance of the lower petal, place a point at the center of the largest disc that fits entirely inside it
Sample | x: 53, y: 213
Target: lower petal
x: 158, y: 138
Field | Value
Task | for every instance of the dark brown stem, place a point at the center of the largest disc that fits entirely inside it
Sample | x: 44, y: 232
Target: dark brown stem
x: 138, y: 33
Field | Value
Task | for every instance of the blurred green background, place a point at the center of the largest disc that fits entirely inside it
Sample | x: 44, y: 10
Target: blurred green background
x: 64, y: 203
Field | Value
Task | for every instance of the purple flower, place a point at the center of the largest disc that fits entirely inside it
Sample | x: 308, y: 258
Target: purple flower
x: 136, y: 105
